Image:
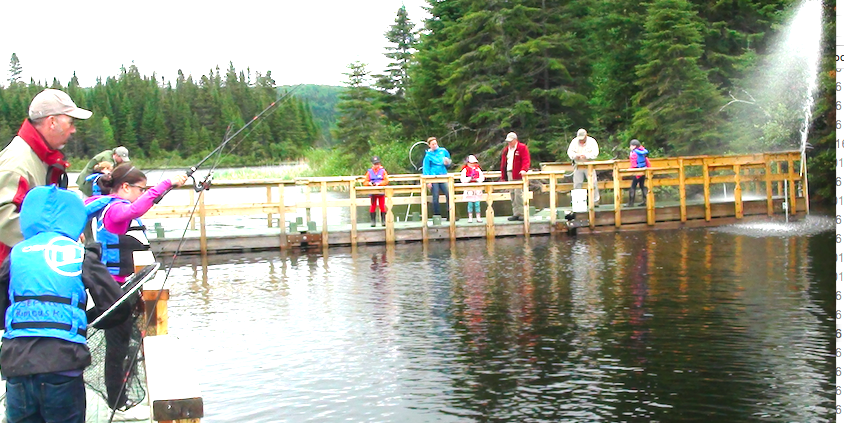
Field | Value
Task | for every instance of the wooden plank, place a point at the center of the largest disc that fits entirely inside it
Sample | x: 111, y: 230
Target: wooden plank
x: 649, y: 200
x: 353, y: 214
x: 323, y: 193
x: 490, y: 214
x: 589, y: 196
x: 526, y: 204
x: 792, y: 199
x: 282, y: 223
x: 172, y: 382
x: 681, y: 178
x: 203, y: 240
x: 452, y: 215
x: 552, y: 201
x: 423, y: 201
x: 769, y: 193
x: 390, y: 233
x: 269, y: 200
x: 706, y: 199
x: 737, y: 191
x: 616, y: 189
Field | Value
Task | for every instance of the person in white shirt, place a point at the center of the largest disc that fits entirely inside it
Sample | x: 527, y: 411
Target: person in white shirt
x: 583, y: 149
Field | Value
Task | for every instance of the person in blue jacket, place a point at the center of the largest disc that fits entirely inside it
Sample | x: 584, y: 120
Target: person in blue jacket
x: 638, y: 160
x: 437, y: 159
x: 44, y: 286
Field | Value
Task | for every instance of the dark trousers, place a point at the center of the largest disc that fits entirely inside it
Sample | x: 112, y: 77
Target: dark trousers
x: 377, y: 200
x: 638, y: 181
x: 45, y: 398
x: 117, y: 349
x: 435, y: 193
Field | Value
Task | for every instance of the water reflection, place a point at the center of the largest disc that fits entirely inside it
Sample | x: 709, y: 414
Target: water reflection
x: 693, y: 325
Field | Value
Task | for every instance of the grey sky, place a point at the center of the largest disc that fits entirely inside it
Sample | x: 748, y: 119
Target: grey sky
x: 299, y: 41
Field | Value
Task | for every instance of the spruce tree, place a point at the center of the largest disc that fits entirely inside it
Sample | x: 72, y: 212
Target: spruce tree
x: 676, y: 103
x: 15, y: 70
x: 359, y: 120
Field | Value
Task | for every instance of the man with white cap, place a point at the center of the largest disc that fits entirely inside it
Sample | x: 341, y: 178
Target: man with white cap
x: 114, y: 156
x: 34, y: 158
x: 515, y: 162
x: 582, y: 150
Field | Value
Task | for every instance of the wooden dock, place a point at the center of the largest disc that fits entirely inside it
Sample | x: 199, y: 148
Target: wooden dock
x: 681, y: 193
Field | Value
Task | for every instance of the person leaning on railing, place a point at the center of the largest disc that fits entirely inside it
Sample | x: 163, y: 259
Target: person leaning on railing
x: 582, y: 150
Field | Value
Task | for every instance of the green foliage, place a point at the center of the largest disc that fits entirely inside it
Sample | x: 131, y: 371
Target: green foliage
x: 181, y: 123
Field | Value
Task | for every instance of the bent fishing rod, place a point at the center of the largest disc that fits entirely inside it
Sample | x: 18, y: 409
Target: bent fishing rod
x: 206, y: 182
x: 198, y: 186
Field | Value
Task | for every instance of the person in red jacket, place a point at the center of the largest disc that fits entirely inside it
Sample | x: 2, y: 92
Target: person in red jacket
x: 515, y: 162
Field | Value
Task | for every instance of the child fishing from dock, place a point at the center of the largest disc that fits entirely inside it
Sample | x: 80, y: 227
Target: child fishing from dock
x: 376, y: 176
x: 638, y: 160
x: 115, y: 225
x: 472, y: 173
x: 100, y: 169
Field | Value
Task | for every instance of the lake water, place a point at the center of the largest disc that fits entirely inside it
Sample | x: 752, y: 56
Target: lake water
x: 730, y: 325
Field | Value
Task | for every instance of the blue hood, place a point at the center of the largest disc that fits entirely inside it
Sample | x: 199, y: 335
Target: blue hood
x: 51, y: 209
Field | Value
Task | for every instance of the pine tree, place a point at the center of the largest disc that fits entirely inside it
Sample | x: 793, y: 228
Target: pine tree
x: 359, y: 120
x: 677, y: 103
x: 15, y: 70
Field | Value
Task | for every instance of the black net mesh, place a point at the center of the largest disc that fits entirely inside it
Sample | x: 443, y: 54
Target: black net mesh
x: 111, y: 357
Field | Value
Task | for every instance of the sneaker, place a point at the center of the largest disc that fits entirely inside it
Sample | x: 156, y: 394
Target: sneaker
x: 642, y: 204
x: 137, y: 413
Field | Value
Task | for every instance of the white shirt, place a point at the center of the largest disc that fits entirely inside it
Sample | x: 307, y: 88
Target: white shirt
x: 511, y: 151
x: 588, y: 149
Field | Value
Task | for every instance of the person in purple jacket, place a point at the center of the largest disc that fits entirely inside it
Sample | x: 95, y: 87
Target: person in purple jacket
x: 115, y: 224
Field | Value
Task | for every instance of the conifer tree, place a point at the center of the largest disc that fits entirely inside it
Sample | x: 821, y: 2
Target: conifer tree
x: 677, y: 103
x: 359, y: 121
x: 15, y: 70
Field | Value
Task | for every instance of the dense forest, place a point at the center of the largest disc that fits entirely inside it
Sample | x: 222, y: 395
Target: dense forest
x: 164, y: 124
x: 683, y: 76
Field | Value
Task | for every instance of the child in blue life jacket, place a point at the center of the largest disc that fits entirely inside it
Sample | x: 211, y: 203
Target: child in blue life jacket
x: 638, y: 159
x: 472, y: 172
x: 100, y: 169
x: 44, y: 288
x: 376, y: 176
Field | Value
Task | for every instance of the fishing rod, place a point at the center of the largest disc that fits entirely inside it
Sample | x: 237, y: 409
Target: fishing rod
x: 199, y: 187
x: 206, y: 182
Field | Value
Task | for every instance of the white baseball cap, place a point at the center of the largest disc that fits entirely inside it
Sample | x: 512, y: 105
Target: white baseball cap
x: 581, y: 134
x: 511, y: 136
x: 52, y: 102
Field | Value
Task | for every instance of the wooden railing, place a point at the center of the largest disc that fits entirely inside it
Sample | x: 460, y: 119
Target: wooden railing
x: 774, y: 171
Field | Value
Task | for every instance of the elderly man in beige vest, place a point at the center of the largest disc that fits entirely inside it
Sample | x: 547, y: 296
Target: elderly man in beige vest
x: 582, y: 150
x: 34, y: 158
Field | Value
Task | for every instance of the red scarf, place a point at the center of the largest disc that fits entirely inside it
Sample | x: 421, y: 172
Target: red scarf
x: 52, y: 158
x: 39, y: 146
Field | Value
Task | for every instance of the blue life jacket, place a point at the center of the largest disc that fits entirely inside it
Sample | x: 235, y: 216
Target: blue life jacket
x: 45, y: 288
x: 375, y: 178
x: 641, y: 155
x: 95, y: 188
x: 117, y: 249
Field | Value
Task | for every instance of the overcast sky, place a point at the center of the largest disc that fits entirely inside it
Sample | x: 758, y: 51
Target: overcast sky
x: 309, y: 42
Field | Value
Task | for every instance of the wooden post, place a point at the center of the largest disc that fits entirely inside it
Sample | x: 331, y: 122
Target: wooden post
x: 155, y: 302
x: 452, y: 215
x: 192, y: 201
x: 792, y: 196
x: 390, y: 234
x: 590, y: 188
x: 616, y: 189
x: 490, y: 214
x: 526, y: 204
x: 706, y: 205
x: 737, y: 191
x: 769, y: 189
x: 650, y: 200
x: 269, y: 200
x: 552, y: 201
x: 424, y: 208
x: 682, y: 177
x: 203, y: 240
x: 353, y: 213
x: 282, y: 223
x: 323, y: 193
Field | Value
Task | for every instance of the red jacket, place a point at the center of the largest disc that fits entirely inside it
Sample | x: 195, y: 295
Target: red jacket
x: 521, y: 161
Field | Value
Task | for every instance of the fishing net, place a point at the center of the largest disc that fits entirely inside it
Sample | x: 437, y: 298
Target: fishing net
x: 112, y: 353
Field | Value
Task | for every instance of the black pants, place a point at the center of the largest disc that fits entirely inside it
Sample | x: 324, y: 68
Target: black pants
x: 117, y: 350
x: 640, y: 181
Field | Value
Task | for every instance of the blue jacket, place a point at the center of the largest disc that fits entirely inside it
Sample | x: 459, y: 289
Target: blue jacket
x: 638, y: 157
x: 433, y: 163
x: 46, y: 291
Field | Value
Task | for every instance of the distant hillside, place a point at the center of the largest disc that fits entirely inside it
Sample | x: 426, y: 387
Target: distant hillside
x: 322, y: 99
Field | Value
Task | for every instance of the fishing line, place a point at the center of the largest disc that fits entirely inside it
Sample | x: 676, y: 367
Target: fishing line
x: 205, y: 185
